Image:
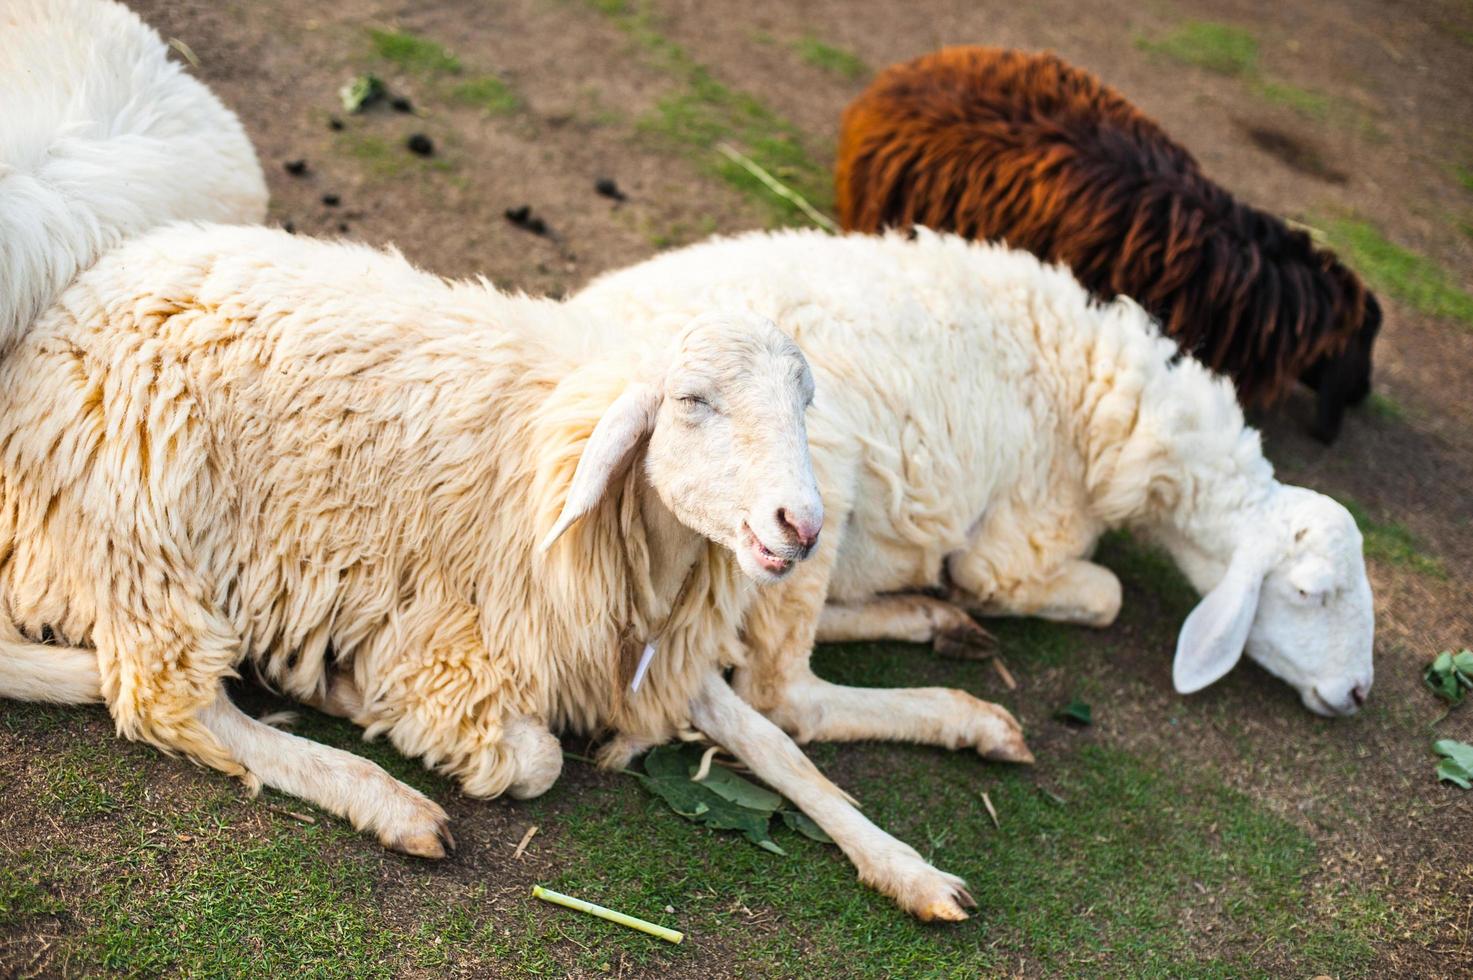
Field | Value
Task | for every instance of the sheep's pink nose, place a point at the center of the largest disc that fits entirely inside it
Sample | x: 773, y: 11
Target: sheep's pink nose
x: 803, y: 528
x: 1358, y: 693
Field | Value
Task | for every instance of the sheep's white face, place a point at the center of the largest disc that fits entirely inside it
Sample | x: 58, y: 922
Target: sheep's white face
x: 729, y: 451
x: 1295, y: 598
x: 1315, y: 623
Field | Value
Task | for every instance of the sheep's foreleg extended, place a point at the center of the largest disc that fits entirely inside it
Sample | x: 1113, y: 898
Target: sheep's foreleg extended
x: 883, y: 862
x: 339, y: 782
x: 814, y: 710
x: 778, y: 681
x: 906, y: 619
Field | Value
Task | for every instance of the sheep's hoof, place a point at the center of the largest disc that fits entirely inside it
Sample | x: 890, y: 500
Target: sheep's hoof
x: 949, y: 909
x: 966, y: 641
x: 926, y: 892
x: 946, y: 904
x: 1013, y: 750
x: 432, y: 845
x: 997, y: 734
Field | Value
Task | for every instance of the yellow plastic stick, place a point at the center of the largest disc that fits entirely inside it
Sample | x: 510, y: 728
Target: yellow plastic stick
x: 568, y: 901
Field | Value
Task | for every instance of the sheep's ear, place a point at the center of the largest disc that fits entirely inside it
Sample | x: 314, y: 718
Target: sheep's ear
x: 1212, y: 639
x: 621, y: 428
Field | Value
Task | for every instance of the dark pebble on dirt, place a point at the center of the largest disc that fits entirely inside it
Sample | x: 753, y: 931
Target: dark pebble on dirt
x: 420, y: 145
x: 296, y: 168
x: 335, y: 124
x: 331, y: 200
x: 607, y: 187
x: 523, y: 218
x: 289, y: 228
x: 400, y: 104
x: 343, y: 227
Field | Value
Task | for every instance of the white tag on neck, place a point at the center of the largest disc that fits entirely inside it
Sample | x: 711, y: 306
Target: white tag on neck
x: 644, y: 666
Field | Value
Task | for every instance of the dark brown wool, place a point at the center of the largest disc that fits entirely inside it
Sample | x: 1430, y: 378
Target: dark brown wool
x: 998, y: 144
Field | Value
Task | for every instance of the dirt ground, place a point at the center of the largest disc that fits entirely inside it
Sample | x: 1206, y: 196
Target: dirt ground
x: 590, y: 87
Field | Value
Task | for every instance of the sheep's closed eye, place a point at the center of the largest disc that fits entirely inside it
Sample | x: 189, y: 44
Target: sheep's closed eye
x: 694, y: 404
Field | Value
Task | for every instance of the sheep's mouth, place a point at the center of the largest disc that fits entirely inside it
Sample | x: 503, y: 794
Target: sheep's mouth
x: 768, y: 560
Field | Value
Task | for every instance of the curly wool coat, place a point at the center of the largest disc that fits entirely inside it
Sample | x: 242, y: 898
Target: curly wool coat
x: 1000, y: 144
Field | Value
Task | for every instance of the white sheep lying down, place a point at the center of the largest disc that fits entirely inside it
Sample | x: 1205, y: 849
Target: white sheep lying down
x: 102, y: 137
x: 226, y: 445
x: 980, y: 423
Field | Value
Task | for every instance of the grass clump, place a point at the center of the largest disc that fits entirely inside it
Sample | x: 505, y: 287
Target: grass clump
x: 707, y: 112
x: 413, y: 53
x: 284, y: 906
x: 1393, y: 543
x: 827, y: 57
x: 704, y: 112
x: 22, y: 896
x: 1384, y: 407
x: 1304, y: 101
x: 1411, y: 278
x: 1220, y: 48
x: 488, y: 93
x: 1233, y: 51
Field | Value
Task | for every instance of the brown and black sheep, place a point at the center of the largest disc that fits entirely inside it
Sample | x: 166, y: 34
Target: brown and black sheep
x: 1000, y: 144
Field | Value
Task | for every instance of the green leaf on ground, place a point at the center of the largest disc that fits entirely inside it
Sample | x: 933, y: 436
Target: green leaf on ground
x: 734, y: 789
x: 801, y: 823
x: 1450, y: 675
x: 1457, y: 763
x: 1076, y: 711
x: 722, y: 800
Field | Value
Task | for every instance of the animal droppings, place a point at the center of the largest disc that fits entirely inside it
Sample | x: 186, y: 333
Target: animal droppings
x: 420, y: 145
x: 297, y: 168
x: 523, y: 218
x: 607, y: 187
x: 331, y: 200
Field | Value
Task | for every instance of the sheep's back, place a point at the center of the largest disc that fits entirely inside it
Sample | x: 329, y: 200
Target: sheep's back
x: 285, y: 420
x: 996, y: 144
x: 102, y: 137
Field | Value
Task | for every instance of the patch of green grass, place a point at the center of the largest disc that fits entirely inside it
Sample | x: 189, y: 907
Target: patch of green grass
x: 91, y: 779
x: 489, y: 93
x: 1384, y: 407
x: 413, y: 53
x: 1393, y: 543
x: 827, y: 57
x: 289, y: 905
x: 1220, y: 48
x: 22, y: 895
x: 705, y: 112
x: 1411, y: 278
x: 1464, y: 174
x: 1307, y: 102
x: 1106, y: 883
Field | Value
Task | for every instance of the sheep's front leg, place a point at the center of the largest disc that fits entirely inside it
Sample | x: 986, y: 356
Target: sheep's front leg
x: 1077, y: 591
x: 779, y: 682
x: 339, y: 782
x: 883, y: 863
x: 906, y: 619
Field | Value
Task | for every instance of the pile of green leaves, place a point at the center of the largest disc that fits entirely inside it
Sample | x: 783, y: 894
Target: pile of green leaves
x: 1456, y: 766
x: 722, y: 800
x: 1451, y: 675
